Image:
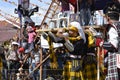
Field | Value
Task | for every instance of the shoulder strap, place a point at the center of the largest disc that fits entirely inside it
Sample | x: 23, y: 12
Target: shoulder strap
x: 118, y: 30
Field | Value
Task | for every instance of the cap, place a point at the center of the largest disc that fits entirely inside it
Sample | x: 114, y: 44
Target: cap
x: 112, y: 10
x: 15, y: 43
x: 21, y: 49
x: 72, y: 28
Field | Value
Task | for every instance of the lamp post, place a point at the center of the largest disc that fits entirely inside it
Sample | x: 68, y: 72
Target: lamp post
x: 24, y: 12
x: 22, y: 5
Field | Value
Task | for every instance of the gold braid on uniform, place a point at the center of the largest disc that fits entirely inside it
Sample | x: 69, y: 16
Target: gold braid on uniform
x: 53, y: 59
x: 91, y: 39
x: 73, y: 39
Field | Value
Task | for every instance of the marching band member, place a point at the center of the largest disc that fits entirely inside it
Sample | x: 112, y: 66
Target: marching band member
x: 73, y: 64
x: 54, y: 42
x: 89, y: 60
x: 75, y: 51
x: 111, y: 44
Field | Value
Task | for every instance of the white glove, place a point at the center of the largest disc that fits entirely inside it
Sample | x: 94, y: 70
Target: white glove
x: 65, y: 34
x: 101, y: 43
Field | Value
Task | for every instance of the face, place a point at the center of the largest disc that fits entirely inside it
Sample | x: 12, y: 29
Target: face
x: 72, y: 33
x: 60, y: 33
x: 15, y: 47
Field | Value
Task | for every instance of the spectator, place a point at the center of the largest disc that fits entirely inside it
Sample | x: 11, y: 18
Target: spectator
x: 25, y: 34
x: 111, y: 43
x: 35, y: 55
x: 45, y: 26
x: 1, y: 63
x: 32, y: 24
x: 4, y: 62
x: 31, y: 38
x: 13, y: 58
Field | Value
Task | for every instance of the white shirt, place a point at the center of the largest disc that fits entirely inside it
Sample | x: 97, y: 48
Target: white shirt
x: 113, y: 37
x: 12, y: 56
x: 44, y: 44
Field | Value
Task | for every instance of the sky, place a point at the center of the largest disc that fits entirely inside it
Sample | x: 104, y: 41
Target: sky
x: 8, y: 8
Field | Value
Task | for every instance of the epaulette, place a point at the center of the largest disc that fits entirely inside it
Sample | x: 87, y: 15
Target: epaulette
x: 72, y: 39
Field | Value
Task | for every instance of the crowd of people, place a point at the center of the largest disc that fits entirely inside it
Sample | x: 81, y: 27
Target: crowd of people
x: 72, y: 53
x: 20, y: 56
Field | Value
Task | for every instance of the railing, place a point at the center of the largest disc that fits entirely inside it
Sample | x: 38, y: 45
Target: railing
x: 11, y: 74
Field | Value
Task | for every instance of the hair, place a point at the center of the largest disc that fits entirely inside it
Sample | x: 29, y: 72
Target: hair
x: 113, y: 16
x: 44, y: 23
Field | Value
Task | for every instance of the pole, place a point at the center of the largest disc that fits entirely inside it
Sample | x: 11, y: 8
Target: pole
x: 20, y: 36
x: 41, y: 63
x: 25, y: 5
x: 20, y: 18
x: 102, y: 64
x: 98, y: 64
x: 77, y: 7
x: 26, y: 56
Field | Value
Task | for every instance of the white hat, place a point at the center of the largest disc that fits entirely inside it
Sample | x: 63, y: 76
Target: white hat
x: 15, y: 43
x: 80, y: 29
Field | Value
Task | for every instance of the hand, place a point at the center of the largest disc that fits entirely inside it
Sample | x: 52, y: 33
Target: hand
x: 37, y: 64
x: 21, y: 62
x: 65, y: 34
x: 101, y: 44
x: 78, y: 38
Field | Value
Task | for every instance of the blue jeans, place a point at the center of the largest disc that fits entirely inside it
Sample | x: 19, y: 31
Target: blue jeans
x: 31, y: 46
x: 85, y: 16
x: 35, y: 74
